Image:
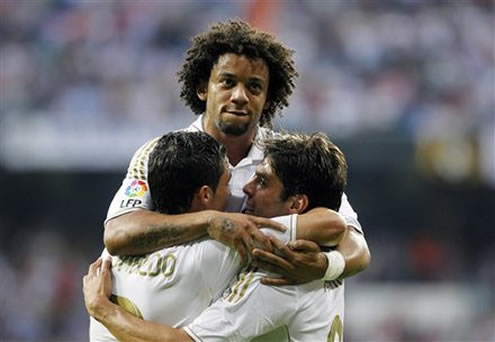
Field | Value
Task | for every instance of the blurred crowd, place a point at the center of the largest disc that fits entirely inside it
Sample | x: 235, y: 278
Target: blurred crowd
x: 420, y: 70
x: 407, y: 65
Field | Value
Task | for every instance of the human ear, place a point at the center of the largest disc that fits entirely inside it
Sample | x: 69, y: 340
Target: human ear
x: 202, y: 91
x: 202, y: 199
x: 207, y: 195
x: 298, y: 203
x: 267, y: 104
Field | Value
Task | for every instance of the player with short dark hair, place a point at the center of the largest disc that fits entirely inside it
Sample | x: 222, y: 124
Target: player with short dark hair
x: 237, y: 77
x: 309, y: 312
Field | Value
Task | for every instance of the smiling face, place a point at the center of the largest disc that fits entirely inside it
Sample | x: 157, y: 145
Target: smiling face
x: 264, y: 191
x: 235, y: 95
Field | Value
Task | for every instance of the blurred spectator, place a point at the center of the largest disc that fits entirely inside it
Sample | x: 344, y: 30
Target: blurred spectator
x: 83, y: 83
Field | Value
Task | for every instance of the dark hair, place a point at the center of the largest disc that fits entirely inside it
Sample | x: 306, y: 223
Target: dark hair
x: 308, y: 164
x: 237, y: 36
x: 179, y: 165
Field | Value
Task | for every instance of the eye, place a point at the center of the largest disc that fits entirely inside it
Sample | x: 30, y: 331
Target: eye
x: 255, y: 87
x: 228, y: 82
x: 261, y: 181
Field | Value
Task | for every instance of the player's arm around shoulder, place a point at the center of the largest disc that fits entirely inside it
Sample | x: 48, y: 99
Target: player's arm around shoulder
x: 131, y: 227
x: 353, y: 246
x: 97, y: 287
x: 324, y: 226
x: 355, y: 251
x: 144, y: 231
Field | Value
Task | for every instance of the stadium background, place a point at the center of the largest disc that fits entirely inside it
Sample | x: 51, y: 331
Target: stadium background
x: 405, y: 87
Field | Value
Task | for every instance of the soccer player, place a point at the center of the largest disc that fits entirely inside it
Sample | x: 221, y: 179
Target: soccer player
x: 282, y: 185
x: 236, y: 79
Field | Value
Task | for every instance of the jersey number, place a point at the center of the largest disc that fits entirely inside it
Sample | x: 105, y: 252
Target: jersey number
x: 335, y: 334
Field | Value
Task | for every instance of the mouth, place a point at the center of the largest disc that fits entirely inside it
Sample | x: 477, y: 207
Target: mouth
x: 237, y: 112
x: 248, y: 210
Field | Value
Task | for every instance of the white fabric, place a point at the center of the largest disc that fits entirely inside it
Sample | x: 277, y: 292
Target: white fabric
x: 294, y: 313
x: 134, y: 192
x: 174, y: 285
x: 294, y: 319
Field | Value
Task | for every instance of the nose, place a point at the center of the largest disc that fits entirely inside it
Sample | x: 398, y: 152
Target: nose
x: 248, y: 188
x: 239, y: 95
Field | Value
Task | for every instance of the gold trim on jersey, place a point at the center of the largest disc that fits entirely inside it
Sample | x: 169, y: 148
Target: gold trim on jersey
x: 127, y: 305
x: 240, y: 287
x: 137, y: 167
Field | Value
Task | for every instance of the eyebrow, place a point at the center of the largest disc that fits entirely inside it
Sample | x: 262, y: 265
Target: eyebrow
x: 261, y: 174
x: 253, y: 78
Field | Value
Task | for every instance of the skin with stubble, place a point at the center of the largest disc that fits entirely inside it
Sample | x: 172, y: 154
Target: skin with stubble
x: 244, y: 86
x: 235, y: 97
x: 236, y: 91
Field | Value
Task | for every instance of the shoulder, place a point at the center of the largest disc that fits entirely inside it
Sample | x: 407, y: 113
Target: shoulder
x: 138, y: 165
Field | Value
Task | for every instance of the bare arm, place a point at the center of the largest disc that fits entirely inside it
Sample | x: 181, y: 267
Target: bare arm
x: 97, y: 287
x: 324, y: 226
x: 142, y: 231
x: 355, y: 251
x: 302, y: 261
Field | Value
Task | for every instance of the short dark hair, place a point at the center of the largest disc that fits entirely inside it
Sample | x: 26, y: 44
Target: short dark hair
x: 180, y: 163
x: 308, y: 164
x: 237, y: 36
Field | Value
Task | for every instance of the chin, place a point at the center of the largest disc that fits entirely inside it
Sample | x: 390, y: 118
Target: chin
x: 236, y: 130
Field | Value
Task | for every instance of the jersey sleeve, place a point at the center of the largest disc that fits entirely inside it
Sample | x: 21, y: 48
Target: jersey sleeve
x: 350, y: 216
x: 134, y: 193
x: 289, y: 221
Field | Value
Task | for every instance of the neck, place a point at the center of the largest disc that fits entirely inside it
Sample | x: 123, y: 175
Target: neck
x: 237, y: 146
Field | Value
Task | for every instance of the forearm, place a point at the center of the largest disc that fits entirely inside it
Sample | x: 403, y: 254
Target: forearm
x: 140, y: 232
x: 128, y: 328
x: 355, y: 251
x: 323, y: 226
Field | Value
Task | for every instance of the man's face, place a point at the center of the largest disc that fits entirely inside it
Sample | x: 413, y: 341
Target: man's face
x: 235, y: 95
x: 264, y: 192
x: 222, y: 192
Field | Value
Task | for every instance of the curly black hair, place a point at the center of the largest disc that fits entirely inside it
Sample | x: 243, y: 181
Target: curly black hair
x: 237, y: 36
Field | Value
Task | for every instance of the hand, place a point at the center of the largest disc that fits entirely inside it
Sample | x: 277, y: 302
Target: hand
x: 97, y: 286
x: 300, y: 262
x: 240, y: 231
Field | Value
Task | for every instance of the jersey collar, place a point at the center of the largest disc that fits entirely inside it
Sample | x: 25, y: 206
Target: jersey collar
x: 255, y: 154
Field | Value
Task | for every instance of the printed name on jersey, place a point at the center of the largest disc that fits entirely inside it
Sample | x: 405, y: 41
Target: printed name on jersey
x: 150, y: 265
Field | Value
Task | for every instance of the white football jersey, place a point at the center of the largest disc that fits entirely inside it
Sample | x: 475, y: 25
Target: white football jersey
x: 174, y: 285
x: 310, y: 312
x: 134, y: 192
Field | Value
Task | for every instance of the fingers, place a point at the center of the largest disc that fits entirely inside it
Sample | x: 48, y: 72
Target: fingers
x: 304, y: 246
x: 260, y: 240
x: 93, y: 268
x: 281, y: 246
x: 275, y: 281
x: 106, y: 266
x: 270, y: 261
x: 242, y: 250
x: 267, y: 223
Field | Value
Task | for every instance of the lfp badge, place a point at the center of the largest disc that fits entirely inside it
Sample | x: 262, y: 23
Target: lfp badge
x: 136, y: 189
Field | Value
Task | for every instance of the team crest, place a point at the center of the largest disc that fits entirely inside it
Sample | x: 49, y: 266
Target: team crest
x: 136, y: 189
